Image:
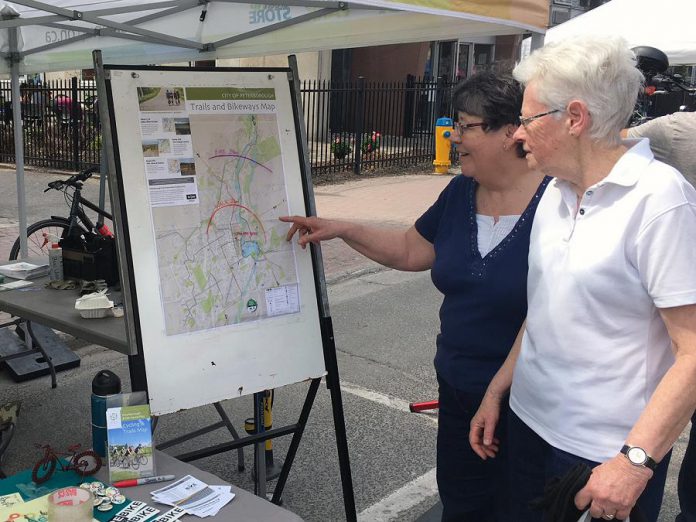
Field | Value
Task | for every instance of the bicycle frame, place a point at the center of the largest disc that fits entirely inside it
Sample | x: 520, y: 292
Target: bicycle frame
x: 50, y: 453
x: 76, y: 212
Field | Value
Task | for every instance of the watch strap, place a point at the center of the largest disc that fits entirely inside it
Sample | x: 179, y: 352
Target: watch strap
x: 649, y: 461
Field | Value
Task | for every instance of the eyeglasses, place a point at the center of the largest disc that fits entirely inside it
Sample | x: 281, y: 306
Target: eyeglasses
x: 526, y: 121
x: 461, y: 128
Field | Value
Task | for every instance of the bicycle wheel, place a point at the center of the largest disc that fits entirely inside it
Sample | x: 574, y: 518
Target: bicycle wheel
x: 142, y: 459
x: 39, y: 237
x: 43, y: 470
x: 87, y: 463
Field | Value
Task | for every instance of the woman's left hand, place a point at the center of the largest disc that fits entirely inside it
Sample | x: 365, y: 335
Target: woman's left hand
x: 613, y: 489
x: 483, y: 424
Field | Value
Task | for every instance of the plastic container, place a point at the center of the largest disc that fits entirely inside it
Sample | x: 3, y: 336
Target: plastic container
x: 96, y: 313
x: 55, y: 263
x: 94, y: 306
x: 104, y: 384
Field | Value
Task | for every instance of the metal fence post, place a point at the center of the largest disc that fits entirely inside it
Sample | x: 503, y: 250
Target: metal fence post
x: 409, y: 105
x: 439, y: 97
x: 359, y: 123
x: 75, y: 124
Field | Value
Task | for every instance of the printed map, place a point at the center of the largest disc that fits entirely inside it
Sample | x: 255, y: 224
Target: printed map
x: 225, y: 260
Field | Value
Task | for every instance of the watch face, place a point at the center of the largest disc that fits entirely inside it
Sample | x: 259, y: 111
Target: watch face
x: 637, y: 455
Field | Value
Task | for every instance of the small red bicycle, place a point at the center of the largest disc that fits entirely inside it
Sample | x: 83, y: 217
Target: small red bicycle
x: 81, y: 462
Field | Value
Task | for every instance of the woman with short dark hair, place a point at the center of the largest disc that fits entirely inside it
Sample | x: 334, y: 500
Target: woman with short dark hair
x: 474, y: 239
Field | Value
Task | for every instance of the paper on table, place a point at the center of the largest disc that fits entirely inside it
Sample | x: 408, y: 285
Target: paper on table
x: 179, y: 490
x: 15, y: 284
x: 194, y: 496
x: 24, y: 270
x: 10, y: 500
x: 209, y: 503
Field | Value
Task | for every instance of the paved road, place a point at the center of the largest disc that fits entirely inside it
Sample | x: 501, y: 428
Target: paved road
x: 385, y: 324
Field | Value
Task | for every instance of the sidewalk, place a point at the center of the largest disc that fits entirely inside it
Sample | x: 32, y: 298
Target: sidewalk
x: 390, y: 201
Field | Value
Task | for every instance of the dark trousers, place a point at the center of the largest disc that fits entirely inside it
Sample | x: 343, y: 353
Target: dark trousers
x: 687, y: 479
x: 536, y: 462
x: 471, y: 489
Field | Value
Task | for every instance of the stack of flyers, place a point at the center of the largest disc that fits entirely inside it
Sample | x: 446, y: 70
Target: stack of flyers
x: 194, y: 496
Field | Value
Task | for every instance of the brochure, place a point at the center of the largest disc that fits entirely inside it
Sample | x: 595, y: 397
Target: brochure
x: 194, y: 496
x: 129, y: 434
x: 24, y: 270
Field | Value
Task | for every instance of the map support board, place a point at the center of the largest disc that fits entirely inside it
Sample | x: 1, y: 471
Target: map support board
x: 208, y: 162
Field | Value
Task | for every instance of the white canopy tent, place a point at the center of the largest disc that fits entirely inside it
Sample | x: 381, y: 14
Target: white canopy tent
x: 39, y: 37
x: 667, y: 25
x: 62, y: 35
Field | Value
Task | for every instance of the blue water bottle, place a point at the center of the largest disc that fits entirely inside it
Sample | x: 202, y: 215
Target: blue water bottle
x: 105, y: 383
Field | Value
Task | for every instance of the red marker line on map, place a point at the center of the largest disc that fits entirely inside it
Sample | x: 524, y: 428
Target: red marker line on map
x: 235, y: 204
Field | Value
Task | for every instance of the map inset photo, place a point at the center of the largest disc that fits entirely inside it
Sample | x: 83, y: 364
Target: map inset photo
x: 151, y: 148
x: 182, y: 126
x: 173, y: 166
x: 168, y: 125
x: 164, y: 146
x: 161, y: 99
x: 187, y: 167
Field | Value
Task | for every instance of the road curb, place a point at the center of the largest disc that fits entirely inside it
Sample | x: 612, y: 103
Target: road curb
x: 345, y: 276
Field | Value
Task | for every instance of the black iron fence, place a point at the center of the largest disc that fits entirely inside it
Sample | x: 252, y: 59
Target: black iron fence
x: 367, y: 124
x: 59, y: 125
x: 350, y: 125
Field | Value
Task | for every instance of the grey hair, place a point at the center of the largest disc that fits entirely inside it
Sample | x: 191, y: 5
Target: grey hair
x: 600, y: 71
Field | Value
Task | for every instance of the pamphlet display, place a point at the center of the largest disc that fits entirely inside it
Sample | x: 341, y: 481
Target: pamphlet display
x: 129, y: 432
x: 208, y: 162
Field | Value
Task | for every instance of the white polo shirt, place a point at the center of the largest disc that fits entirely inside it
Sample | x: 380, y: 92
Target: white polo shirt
x: 595, y: 347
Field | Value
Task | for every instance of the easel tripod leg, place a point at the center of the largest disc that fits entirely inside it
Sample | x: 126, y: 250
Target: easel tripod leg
x: 332, y: 382
x: 295, y: 442
x: 233, y: 432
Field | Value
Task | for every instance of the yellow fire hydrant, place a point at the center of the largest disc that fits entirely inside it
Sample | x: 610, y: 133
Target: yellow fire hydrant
x: 443, y: 146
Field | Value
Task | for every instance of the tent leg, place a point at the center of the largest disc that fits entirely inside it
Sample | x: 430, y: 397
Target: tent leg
x: 18, y: 141
x: 102, y: 182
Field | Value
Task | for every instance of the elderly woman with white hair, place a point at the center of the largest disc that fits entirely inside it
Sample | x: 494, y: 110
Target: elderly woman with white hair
x: 605, y: 365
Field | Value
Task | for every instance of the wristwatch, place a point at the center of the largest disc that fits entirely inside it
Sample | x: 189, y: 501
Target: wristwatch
x: 638, y: 457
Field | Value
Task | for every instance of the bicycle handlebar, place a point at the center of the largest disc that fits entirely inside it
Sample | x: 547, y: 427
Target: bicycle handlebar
x: 73, y: 181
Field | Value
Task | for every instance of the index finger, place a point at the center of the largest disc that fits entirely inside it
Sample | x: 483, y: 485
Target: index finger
x: 291, y: 219
x: 298, y: 222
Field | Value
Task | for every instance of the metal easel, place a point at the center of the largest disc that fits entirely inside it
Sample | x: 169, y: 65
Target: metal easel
x: 136, y: 359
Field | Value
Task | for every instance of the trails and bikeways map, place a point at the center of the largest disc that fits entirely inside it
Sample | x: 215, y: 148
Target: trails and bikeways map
x: 224, y: 260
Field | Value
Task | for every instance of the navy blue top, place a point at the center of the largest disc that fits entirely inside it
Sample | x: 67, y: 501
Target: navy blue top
x: 485, y: 298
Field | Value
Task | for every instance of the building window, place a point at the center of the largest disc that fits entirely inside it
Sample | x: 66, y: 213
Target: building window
x: 445, y: 60
x: 483, y: 57
x: 463, y: 60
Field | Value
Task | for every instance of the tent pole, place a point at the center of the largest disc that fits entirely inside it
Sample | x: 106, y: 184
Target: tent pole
x: 537, y: 41
x: 18, y: 138
x: 102, y: 181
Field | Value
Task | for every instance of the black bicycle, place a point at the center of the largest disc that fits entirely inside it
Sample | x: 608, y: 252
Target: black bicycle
x: 42, y: 234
